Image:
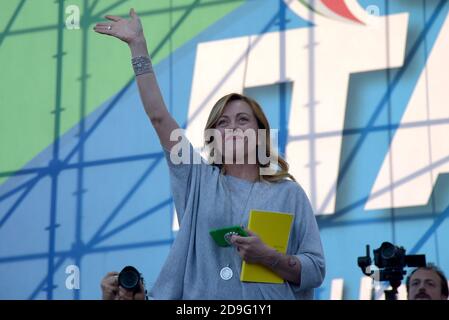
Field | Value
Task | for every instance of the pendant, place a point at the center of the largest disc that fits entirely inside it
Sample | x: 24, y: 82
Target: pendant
x: 226, y: 273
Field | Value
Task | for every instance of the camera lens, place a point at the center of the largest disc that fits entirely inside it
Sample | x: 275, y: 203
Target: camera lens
x: 129, y: 278
x: 388, y: 250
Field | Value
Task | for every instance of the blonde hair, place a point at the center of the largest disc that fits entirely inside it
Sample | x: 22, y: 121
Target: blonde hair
x: 216, y: 112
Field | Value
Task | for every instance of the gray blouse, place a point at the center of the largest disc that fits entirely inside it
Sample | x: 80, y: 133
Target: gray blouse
x: 205, y: 199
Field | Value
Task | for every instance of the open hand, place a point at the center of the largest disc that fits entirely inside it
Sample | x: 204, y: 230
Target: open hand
x: 127, y: 30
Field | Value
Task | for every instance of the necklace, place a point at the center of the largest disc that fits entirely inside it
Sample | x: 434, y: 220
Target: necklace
x: 226, y: 272
x: 229, y: 204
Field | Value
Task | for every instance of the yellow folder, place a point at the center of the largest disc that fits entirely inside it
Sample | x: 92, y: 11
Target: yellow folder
x: 274, y: 230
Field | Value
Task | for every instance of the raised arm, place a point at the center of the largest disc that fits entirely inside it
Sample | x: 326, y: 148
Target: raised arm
x: 131, y: 32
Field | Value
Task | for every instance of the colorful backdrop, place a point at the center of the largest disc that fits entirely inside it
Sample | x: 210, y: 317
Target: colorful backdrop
x: 357, y: 90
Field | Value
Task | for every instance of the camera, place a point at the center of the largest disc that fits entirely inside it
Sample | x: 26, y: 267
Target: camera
x: 130, y: 279
x: 391, y: 261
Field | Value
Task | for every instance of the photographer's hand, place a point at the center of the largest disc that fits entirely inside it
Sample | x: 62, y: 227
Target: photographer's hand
x: 112, y: 291
x: 129, y: 295
x: 109, y: 286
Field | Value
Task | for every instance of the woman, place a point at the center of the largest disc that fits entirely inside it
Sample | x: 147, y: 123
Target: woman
x: 220, y: 194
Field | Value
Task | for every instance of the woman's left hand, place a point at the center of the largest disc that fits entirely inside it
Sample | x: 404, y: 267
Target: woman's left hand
x: 251, y: 248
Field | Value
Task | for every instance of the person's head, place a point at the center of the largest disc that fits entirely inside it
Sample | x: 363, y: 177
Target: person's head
x: 427, y: 283
x: 239, y: 120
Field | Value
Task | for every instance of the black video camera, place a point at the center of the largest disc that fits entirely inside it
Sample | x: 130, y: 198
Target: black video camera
x: 391, y: 261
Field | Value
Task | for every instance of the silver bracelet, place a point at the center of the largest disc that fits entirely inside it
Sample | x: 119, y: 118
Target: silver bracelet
x: 142, y: 65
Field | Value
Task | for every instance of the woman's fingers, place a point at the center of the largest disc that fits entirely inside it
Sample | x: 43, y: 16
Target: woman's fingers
x: 250, y: 233
x: 104, y: 30
x: 238, y: 240
x: 113, y: 18
x: 103, y: 24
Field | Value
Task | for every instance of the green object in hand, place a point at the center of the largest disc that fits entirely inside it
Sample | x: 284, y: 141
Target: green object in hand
x: 223, y: 236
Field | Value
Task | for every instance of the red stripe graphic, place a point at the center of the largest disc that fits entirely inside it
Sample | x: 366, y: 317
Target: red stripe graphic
x: 340, y: 8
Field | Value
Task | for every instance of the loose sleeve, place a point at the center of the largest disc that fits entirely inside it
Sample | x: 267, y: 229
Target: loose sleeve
x: 184, y: 166
x: 310, y: 250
